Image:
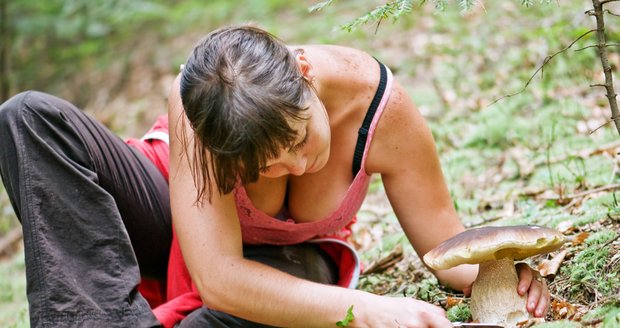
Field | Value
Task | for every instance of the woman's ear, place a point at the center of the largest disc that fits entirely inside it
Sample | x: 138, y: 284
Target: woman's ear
x: 304, y: 66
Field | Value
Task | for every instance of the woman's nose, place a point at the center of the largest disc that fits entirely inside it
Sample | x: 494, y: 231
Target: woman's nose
x: 297, y: 165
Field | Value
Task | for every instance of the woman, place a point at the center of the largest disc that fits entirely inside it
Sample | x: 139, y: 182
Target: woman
x: 271, y: 151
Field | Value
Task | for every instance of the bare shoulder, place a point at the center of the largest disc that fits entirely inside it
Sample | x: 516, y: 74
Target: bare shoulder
x: 339, y: 65
x: 347, y: 77
x: 402, y: 139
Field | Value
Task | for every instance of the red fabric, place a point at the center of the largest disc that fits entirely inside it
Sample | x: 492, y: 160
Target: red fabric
x: 153, y: 290
x: 155, y: 149
x: 345, y: 260
x: 183, y: 296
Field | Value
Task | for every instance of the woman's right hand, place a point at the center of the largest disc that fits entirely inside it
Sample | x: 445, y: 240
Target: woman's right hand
x: 400, y: 312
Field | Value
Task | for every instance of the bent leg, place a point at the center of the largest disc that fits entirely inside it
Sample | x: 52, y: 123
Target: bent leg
x: 306, y: 261
x: 95, y: 214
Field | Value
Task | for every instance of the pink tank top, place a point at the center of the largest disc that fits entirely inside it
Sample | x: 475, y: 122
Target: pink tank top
x: 260, y: 228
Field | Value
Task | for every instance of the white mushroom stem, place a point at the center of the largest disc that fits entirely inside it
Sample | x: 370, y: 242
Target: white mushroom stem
x: 494, y: 297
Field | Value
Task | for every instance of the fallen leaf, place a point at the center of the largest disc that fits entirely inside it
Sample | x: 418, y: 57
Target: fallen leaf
x: 451, y: 301
x: 548, y: 268
x: 562, y: 309
x: 580, y: 238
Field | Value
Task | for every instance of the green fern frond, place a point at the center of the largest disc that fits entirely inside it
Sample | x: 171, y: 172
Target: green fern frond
x: 320, y: 6
x: 403, y: 7
x: 466, y: 5
x: 527, y: 3
x: 440, y: 5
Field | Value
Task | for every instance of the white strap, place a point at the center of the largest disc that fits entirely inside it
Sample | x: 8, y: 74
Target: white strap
x: 157, y: 135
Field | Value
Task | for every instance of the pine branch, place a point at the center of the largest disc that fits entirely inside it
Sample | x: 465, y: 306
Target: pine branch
x: 320, y: 6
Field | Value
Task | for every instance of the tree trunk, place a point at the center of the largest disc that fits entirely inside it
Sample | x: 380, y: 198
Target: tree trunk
x: 601, y: 46
x: 4, y: 52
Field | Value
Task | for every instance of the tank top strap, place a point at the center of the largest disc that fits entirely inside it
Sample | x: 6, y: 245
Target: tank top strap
x: 366, y: 131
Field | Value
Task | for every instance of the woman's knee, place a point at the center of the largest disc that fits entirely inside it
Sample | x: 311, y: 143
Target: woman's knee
x: 12, y: 112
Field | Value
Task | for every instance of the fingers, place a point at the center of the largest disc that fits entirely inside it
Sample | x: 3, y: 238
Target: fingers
x: 430, y: 316
x: 534, y: 294
x: 535, y: 286
x: 525, y: 278
x: 441, y: 322
x: 467, y: 291
x: 543, y: 300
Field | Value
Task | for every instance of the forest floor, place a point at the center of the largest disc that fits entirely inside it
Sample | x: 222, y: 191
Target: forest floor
x: 545, y: 156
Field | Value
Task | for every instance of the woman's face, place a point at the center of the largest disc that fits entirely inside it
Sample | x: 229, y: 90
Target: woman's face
x: 310, y: 152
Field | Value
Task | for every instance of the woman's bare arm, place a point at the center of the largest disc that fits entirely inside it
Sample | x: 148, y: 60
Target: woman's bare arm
x: 403, y: 151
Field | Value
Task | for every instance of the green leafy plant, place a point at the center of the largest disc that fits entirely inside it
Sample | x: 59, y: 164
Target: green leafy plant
x: 459, y: 312
x: 588, y: 271
x: 347, y: 319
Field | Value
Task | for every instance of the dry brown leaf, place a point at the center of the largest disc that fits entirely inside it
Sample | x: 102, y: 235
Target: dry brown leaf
x: 562, y: 309
x: 452, y: 301
x: 548, y: 268
x: 530, y: 322
x: 580, y: 238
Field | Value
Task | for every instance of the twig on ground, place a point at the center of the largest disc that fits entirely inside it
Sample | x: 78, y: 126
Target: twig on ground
x: 393, y: 257
x: 584, y: 193
x: 8, y: 242
x: 526, y: 169
x: 484, y: 221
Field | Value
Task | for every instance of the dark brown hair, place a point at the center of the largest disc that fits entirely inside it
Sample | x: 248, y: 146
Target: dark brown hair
x: 241, y: 89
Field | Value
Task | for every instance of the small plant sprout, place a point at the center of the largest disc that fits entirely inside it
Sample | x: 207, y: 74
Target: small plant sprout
x: 347, y: 319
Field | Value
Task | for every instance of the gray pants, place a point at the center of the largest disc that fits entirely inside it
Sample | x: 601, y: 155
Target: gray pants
x: 96, y: 217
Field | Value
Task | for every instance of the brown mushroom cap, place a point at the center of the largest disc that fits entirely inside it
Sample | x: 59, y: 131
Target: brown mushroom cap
x: 477, y: 245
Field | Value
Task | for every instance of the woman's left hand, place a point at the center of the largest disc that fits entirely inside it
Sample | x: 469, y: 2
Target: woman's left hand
x: 535, y: 286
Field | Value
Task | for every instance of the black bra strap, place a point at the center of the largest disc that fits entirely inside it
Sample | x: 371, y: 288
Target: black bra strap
x: 362, y: 134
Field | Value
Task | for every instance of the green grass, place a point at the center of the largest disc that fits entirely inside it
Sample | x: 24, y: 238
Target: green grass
x: 13, y: 304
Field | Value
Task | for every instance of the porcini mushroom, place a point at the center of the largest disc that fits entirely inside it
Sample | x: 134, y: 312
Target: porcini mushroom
x: 494, y: 297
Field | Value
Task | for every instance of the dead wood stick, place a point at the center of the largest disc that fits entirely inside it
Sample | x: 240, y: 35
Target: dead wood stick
x: 584, y: 193
x: 584, y: 153
x: 9, y: 240
x: 393, y: 257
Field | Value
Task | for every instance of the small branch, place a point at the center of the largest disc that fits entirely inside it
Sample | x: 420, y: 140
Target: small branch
x: 595, y: 46
x: 613, y: 119
x: 393, y: 257
x: 10, y: 239
x: 545, y: 61
x: 602, y: 52
x: 584, y: 193
x: 611, y: 13
x: 484, y: 221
